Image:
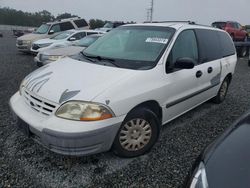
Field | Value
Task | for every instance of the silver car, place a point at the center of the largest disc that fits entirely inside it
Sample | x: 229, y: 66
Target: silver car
x: 51, y: 55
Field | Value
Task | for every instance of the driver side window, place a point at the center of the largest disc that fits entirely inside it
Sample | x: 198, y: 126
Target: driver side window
x: 185, y: 47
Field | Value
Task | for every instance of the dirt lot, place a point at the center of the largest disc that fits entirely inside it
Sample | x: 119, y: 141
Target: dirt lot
x: 24, y: 163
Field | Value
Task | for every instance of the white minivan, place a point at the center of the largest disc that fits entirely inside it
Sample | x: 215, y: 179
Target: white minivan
x: 118, y: 92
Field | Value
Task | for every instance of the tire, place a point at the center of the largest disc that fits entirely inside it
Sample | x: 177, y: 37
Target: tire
x: 221, y: 95
x: 137, y: 134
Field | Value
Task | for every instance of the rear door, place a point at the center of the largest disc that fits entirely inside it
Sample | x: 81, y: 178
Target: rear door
x: 209, y: 62
x: 228, y: 51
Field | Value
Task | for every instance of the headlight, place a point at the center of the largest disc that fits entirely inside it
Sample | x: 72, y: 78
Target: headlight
x: 84, y: 111
x: 44, y: 57
x: 54, y: 57
x: 200, y: 178
x: 44, y: 45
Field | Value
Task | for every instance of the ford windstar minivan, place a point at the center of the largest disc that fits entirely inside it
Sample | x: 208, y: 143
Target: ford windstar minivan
x: 118, y: 92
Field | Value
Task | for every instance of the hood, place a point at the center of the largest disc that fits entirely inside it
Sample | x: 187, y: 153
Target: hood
x: 64, y: 51
x: 32, y: 37
x: 69, y: 79
x: 45, y: 41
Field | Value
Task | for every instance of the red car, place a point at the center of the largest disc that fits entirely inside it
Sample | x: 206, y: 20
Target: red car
x: 236, y: 31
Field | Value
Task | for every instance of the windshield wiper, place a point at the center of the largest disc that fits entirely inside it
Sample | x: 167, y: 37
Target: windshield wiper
x: 100, y: 58
x: 87, y: 57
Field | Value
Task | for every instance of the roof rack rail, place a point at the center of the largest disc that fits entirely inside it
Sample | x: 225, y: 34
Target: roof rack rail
x: 189, y: 22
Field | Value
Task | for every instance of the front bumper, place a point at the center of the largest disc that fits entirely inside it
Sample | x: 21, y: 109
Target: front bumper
x: 65, y: 136
x: 40, y: 63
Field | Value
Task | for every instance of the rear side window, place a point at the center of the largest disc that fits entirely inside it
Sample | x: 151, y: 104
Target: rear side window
x: 209, y: 46
x: 81, y: 23
x: 66, y: 26
x: 78, y: 36
x: 227, y: 45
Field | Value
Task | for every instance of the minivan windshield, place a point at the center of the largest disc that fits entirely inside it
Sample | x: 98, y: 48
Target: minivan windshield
x: 134, y: 47
x: 42, y: 29
x: 63, y: 35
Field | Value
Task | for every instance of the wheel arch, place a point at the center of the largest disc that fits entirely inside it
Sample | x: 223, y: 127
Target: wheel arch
x: 153, y: 105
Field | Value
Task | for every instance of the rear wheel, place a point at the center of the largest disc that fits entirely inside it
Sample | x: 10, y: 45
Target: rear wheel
x: 137, y: 134
x: 221, y: 95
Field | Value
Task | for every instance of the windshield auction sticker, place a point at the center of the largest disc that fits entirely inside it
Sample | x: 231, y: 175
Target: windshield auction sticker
x: 157, y: 40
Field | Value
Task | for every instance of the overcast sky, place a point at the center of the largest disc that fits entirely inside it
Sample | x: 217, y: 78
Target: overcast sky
x: 201, y: 11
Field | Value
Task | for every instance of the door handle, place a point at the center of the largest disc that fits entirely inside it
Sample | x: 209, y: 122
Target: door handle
x: 198, y: 74
x: 210, y: 69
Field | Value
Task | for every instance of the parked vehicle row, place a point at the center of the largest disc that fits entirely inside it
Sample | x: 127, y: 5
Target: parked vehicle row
x: 120, y: 90
x: 49, y: 30
x: 109, y: 26
x: 50, y: 55
x: 63, y: 39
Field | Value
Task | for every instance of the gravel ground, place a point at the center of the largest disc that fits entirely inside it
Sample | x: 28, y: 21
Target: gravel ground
x: 24, y: 163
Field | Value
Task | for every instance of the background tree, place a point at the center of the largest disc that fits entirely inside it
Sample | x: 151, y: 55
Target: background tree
x: 65, y: 15
x: 13, y: 17
x: 96, y: 23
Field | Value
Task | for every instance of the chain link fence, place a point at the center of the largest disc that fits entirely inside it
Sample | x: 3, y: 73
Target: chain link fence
x: 14, y: 27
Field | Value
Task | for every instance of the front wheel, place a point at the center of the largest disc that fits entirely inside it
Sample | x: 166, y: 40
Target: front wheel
x: 221, y: 95
x: 137, y: 134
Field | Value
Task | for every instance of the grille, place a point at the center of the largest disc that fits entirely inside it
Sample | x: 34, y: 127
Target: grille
x: 20, y: 42
x: 35, y: 47
x: 38, y: 104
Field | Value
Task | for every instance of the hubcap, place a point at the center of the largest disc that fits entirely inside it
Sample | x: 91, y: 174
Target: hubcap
x: 223, y: 90
x: 135, y: 134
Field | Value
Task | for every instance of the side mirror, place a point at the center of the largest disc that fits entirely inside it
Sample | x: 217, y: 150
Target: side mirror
x: 51, y: 32
x: 184, y: 63
x: 72, y: 39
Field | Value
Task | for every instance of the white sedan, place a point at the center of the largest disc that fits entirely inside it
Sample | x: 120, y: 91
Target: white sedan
x: 61, y: 40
